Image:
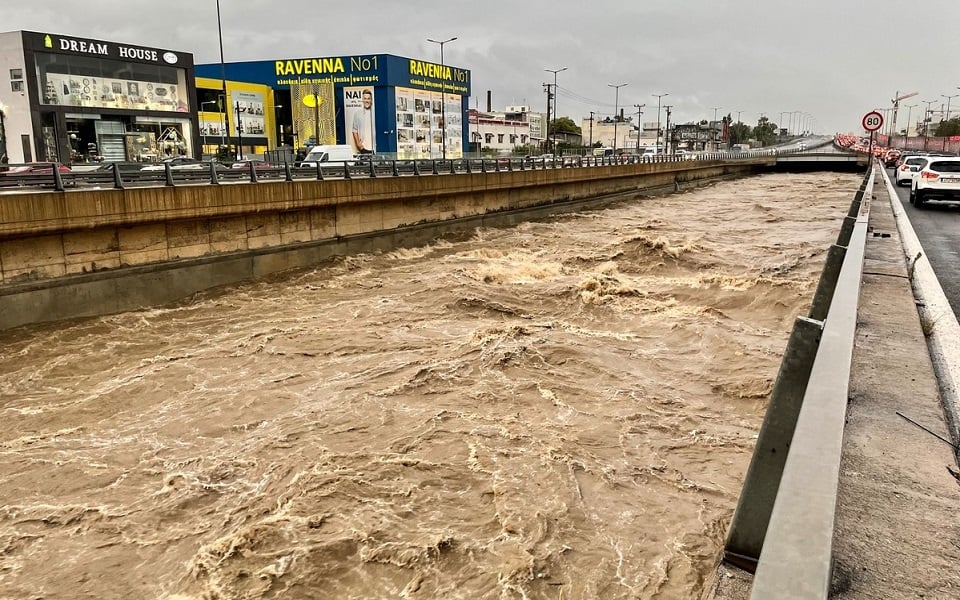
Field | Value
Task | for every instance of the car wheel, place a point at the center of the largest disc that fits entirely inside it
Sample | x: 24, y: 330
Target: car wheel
x: 913, y: 195
x: 918, y: 199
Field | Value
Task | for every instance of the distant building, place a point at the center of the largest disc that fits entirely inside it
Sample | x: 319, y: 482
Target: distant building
x: 698, y: 137
x: 602, y: 131
x: 504, y: 131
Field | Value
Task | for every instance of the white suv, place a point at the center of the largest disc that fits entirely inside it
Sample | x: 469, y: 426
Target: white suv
x: 939, y: 179
x: 908, y: 167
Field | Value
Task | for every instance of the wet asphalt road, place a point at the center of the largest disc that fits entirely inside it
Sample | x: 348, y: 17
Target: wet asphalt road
x: 938, y: 226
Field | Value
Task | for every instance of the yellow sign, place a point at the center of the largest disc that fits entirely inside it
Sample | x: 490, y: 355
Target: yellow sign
x: 48, y: 42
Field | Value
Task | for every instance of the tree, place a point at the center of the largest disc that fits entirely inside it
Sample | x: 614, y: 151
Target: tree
x: 739, y: 133
x: 765, y: 131
x: 948, y: 128
x: 563, y: 125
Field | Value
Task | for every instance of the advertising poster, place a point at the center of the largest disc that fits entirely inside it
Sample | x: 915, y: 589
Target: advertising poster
x: 423, y: 123
x: 359, y: 119
x: 453, y: 126
x: 247, y: 110
x: 406, y: 134
x: 129, y: 94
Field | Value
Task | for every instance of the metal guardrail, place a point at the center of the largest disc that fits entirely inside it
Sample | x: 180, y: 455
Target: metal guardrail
x: 783, y: 525
x: 60, y: 177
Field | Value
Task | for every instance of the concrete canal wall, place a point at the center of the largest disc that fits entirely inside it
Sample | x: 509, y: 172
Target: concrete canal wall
x: 92, y: 252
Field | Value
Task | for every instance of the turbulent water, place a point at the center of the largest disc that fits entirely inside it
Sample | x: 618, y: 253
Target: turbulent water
x: 563, y: 409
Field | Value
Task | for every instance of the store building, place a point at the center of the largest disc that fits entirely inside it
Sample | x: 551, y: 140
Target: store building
x: 505, y: 132
x: 379, y: 103
x: 72, y: 99
x: 248, y: 123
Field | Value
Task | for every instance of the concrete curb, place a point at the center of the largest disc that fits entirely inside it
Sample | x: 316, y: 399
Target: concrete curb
x: 939, y: 322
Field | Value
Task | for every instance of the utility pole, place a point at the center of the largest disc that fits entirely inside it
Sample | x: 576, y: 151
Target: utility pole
x: 639, y: 108
x: 546, y: 136
x: 713, y: 127
x: 666, y: 131
x: 443, y: 98
x: 659, y: 96
x: 553, y: 139
x: 591, y: 129
x: 239, y: 134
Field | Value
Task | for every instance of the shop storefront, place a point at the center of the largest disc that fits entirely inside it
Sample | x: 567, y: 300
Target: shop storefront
x: 379, y: 103
x: 91, y: 100
x: 246, y: 124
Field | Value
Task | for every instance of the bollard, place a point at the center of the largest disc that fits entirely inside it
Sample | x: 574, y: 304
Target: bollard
x: 117, y: 180
x: 749, y: 526
x: 57, y: 177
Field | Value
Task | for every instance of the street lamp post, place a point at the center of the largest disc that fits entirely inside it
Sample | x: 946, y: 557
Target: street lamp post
x: 443, y: 95
x: 949, y: 98
x: 659, y: 96
x: 927, y: 119
x: 616, y: 112
x: 553, y: 138
x: 909, y: 115
x: 223, y: 77
x: 239, y: 134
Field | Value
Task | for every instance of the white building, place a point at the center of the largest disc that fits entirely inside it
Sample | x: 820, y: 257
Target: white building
x: 602, y: 130
x: 503, y: 132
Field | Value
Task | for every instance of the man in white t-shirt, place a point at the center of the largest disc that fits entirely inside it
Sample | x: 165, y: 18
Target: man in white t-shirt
x: 361, y: 128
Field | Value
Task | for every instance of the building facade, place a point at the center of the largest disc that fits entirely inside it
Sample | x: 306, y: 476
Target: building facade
x: 71, y: 99
x: 504, y: 132
x: 247, y: 122
x: 378, y: 103
x: 628, y: 136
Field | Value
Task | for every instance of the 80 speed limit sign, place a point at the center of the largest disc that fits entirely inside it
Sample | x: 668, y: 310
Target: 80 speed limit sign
x: 872, y: 121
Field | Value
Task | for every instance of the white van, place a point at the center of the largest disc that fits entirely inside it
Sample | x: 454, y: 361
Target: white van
x: 341, y: 153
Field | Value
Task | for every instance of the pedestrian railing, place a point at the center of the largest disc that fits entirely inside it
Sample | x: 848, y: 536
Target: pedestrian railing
x: 60, y: 177
x: 783, y: 525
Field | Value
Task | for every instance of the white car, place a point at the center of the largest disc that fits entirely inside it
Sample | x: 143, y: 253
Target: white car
x: 908, y: 167
x: 179, y: 163
x: 939, y: 179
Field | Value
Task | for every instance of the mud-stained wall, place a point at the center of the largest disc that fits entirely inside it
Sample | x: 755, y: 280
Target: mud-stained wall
x: 84, y: 253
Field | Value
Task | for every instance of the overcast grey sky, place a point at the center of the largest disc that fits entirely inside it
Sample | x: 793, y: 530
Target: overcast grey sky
x: 833, y: 59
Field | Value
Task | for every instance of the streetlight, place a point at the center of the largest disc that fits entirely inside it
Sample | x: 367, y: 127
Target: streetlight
x: 659, y: 96
x: 616, y: 111
x: 223, y: 77
x: 443, y: 95
x: 948, y: 104
x: 553, y: 139
x: 909, y: 114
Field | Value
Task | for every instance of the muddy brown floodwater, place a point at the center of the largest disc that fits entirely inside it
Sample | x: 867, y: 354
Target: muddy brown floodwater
x: 561, y: 410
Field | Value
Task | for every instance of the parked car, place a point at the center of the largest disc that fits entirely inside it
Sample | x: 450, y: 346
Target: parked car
x: 40, y: 174
x: 939, y: 179
x: 257, y: 164
x: 180, y: 163
x: 908, y: 168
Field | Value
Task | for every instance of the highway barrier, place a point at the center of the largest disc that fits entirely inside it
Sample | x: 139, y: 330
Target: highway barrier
x: 782, y: 529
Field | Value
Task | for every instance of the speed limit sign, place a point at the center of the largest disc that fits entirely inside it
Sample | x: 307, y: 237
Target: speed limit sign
x: 872, y: 121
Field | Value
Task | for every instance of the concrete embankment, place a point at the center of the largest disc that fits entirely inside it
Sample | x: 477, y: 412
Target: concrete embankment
x: 85, y: 253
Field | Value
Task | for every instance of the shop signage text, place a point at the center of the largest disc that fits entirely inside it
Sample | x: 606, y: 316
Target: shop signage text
x: 97, y: 48
x: 322, y: 66
x: 422, y: 68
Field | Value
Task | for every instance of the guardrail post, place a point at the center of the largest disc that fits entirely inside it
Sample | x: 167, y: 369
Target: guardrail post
x: 749, y: 526
x: 373, y: 169
x: 469, y: 164
x: 434, y: 162
x: 453, y: 170
x: 168, y: 174
x: 346, y: 170
x: 416, y: 167
x: 57, y: 177
x: 117, y: 180
x: 253, y: 172
x: 287, y: 171
x: 396, y: 171
x: 214, y: 177
x: 483, y: 165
